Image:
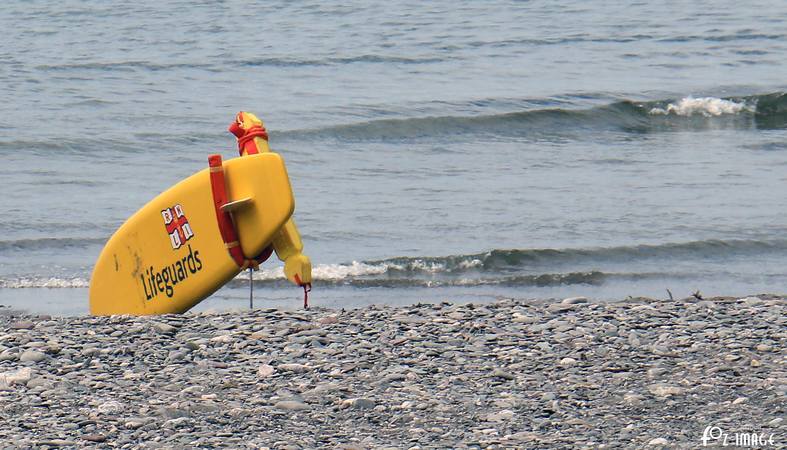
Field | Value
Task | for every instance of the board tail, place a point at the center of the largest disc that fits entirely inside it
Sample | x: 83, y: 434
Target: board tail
x: 253, y: 139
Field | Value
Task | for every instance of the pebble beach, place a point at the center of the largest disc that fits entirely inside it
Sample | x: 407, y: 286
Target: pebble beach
x: 563, y: 373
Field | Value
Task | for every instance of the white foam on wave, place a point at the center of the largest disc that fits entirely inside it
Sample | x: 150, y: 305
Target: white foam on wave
x: 50, y: 283
x: 343, y: 271
x: 330, y: 272
x: 336, y: 272
x: 473, y: 263
x: 421, y: 265
x: 705, y: 106
x: 327, y: 272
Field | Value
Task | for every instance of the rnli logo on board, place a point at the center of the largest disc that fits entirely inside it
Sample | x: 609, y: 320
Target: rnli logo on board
x: 177, y: 226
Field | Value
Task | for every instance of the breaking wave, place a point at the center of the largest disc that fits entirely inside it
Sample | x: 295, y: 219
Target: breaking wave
x: 593, y: 277
x: 758, y: 111
x: 520, y: 267
x: 541, y: 118
x: 705, y: 106
x: 501, y: 267
x: 44, y: 282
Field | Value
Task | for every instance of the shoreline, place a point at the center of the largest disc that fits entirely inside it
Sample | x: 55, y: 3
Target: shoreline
x: 510, y: 374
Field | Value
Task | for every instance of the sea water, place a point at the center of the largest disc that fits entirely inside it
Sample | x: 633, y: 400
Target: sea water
x: 439, y: 151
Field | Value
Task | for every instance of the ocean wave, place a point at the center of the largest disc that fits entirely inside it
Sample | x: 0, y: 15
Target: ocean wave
x: 49, y: 243
x: 77, y: 145
x: 517, y: 259
x: 44, y: 282
x: 501, y: 260
x: 518, y: 266
x: 90, y: 144
x: 271, y: 280
x: 134, y: 65
x: 685, y: 114
x: 121, y: 66
x: 592, y: 278
x: 500, y: 267
x: 298, y: 62
x: 539, y: 118
x: 366, y: 281
x: 740, y: 36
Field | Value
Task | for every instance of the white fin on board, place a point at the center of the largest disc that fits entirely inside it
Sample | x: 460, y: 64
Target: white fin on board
x: 237, y: 204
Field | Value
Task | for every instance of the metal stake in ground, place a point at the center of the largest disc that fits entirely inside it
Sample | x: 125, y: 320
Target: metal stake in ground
x: 251, y: 289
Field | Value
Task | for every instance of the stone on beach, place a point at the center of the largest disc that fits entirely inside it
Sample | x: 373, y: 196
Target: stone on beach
x: 32, y: 356
x: 296, y: 368
x: 574, y: 300
x: 265, y: 370
x: 19, y: 376
x: 501, y: 416
x: 110, y: 407
x: 359, y: 403
x: 568, y: 362
x: 163, y: 327
x: 95, y: 438
x: 291, y: 405
x: 22, y: 325
x: 499, y: 373
x: 665, y: 390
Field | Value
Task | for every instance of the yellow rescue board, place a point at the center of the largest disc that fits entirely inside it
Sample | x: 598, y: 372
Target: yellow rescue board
x: 169, y: 255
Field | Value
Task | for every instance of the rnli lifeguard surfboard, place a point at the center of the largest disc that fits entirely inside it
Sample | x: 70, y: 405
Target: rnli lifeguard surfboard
x: 170, y: 254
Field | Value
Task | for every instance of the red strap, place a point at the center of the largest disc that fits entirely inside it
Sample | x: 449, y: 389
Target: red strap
x: 266, y: 253
x: 246, y: 142
x: 246, y: 137
x: 226, y: 227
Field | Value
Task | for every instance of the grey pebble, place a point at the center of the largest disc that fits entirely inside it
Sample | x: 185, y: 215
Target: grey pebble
x: 95, y: 438
x: 22, y: 325
x: 296, y: 368
x: 32, y: 356
x: 560, y: 307
x: 291, y: 405
x: 359, y: 403
x: 163, y: 327
x: 499, y: 373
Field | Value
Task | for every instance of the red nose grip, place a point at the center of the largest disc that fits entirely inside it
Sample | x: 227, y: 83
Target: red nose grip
x: 235, y: 129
